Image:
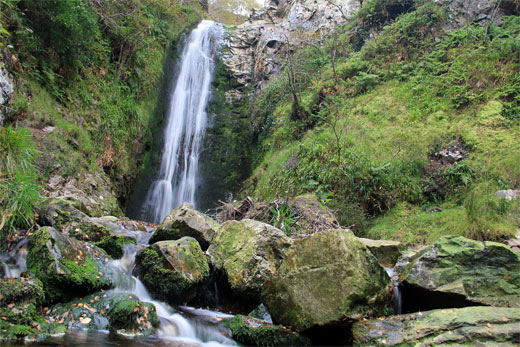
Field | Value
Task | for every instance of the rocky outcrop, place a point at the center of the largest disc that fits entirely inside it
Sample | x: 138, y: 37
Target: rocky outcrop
x: 248, y: 252
x: 480, y: 272
x: 173, y: 270
x: 186, y: 221
x: 67, y: 268
x: 509, y: 194
x: 327, y: 278
x: 464, y: 12
x: 6, y: 93
x: 466, y: 326
x: 92, y: 191
x: 254, y: 48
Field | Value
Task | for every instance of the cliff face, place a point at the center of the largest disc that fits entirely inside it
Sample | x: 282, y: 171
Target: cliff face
x: 255, y: 47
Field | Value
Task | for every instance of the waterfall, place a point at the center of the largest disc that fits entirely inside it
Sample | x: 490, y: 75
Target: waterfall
x: 186, y: 125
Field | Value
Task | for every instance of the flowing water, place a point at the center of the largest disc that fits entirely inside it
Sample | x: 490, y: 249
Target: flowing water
x: 398, y: 302
x: 184, y: 326
x: 186, y: 125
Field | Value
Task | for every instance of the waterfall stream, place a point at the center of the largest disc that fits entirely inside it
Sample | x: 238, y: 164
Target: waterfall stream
x: 186, y: 125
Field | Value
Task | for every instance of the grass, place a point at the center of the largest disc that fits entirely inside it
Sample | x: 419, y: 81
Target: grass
x: 395, y: 102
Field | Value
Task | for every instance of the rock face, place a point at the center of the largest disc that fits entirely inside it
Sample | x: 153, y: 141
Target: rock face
x: 509, y: 194
x: 481, y: 272
x: 67, y: 268
x: 173, y: 270
x: 465, y: 326
x: 386, y: 251
x: 6, y: 92
x: 93, y: 191
x: 326, y: 278
x: 255, y: 47
x: 186, y: 221
x: 249, y: 252
x: 465, y: 12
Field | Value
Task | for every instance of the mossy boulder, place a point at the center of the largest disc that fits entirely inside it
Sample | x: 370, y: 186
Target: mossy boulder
x: 114, y: 245
x: 481, y: 272
x: 116, y: 311
x: 186, y: 221
x: 324, y: 279
x: 67, y: 267
x: 387, y: 252
x: 464, y: 326
x: 58, y: 212
x: 20, y: 301
x: 173, y: 271
x: 248, y: 252
x: 254, y: 332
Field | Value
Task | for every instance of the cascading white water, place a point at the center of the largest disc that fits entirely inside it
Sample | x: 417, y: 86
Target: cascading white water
x: 186, y: 124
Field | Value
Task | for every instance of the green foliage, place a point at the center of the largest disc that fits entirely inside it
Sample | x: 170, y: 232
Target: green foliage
x: 510, y: 93
x: 460, y: 174
x: 285, y: 218
x: 18, y: 184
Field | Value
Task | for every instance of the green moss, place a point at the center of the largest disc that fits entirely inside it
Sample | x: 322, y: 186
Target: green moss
x: 114, y: 245
x: 69, y: 273
x: 134, y: 316
x: 251, y: 332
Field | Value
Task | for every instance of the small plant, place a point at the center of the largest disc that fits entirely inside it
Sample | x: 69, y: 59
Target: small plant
x: 284, y: 218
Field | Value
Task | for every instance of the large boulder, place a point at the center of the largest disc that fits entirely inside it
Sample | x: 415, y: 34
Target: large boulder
x: 480, y: 272
x: 248, y: 252
x: 327, y: 278
x: 465, y: 326
x: 173, y: 271
x: 67, y: 267
x: 186, y: 221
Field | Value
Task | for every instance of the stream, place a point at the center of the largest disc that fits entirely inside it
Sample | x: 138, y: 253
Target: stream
x: 179, y: 326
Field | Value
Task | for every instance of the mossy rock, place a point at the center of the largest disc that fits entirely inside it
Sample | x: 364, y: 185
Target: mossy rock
x: 482, y: 272
x: 387, y: 252
x: 114, y: 245
x: 173, y: 271
x: 465, y: 326
x: 20, y: 302
x: 325, y: 279
x: 117, y: 311
x: 186, y: 221
x: 58, y: 212
x: 254, y: 332
x: 66, y: 267
x: 134, y: 316
x: 249, y: 252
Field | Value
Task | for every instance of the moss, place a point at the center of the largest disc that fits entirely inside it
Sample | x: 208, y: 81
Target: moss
x: 114, y: 245
x: 134, y: 316
x: 67, y: 273
x: 251, y: 332
x: 166, y: 284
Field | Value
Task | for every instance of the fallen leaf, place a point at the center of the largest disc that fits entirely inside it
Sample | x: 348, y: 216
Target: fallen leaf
x: 489, y: 325
x: 505, y: 319
x: 85, y: 320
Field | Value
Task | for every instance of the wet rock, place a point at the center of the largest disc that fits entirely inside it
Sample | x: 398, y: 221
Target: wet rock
x: 117, y: 311
x: 254, y: 332
x: 387, y: 252
x: 464, y: 326
x: 114, y: 245
x: 261, y: 313
x: 248, y: 252
x: 479, y: 272
x: 173, y: 270
x: 58, y: 213
x: 67, y: 268
x: 186, y: 221
x: 508, y: 194
x: 327, y: 278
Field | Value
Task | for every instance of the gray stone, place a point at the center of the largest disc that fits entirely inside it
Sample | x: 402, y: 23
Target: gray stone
x: 508, y: 194
x: 387, y: 252
x: 6, y: 93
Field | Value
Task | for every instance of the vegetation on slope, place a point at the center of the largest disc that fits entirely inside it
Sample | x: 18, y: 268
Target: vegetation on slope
x: 87, y: 77
x: 381, y: 108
